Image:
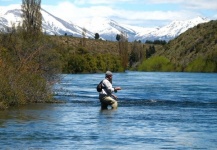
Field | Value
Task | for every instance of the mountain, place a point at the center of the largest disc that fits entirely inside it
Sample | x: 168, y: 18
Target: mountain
x: 107, y: 28
x: 55, y: 26
x: 171, y: 30
x: 51, y: 24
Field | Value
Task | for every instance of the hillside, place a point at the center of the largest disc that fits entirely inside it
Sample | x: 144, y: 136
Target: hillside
x: 197, y: 43
x: 73, y: 48
x: 194, y: 50
x: 93, y: 45
x: 90, y: 45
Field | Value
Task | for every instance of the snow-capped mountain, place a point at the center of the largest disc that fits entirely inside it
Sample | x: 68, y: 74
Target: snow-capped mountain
x: 107, y: 29
x: 51, y: 24
x: 171, y: 30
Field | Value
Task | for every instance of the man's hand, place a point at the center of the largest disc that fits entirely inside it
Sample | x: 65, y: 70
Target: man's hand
x: 117, y: 88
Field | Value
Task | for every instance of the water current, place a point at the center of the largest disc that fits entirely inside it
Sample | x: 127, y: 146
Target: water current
x: 156, y: 111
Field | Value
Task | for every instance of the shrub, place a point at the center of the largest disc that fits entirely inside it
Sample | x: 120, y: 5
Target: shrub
x: 27, y: 69
x: 157, y: 63
x: 201, y: 65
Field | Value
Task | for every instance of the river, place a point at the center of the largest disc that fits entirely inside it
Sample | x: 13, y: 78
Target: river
x: 156, y: 111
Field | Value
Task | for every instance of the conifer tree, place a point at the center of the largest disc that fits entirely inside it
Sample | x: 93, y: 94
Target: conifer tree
x: 96, y: 36
x: 118, y: 37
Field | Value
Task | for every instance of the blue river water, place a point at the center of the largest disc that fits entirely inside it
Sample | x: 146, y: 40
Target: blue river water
x: 156, y: 111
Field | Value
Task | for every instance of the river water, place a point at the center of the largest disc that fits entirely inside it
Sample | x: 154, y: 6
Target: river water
x: 156, y: 111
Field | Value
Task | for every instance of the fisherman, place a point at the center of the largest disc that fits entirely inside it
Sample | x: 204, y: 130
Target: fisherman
x: 105, y: 96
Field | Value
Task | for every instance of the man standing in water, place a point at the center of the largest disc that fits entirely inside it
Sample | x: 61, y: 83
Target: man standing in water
x: 106, y: 97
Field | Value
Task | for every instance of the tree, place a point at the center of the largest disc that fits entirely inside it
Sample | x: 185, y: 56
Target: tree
x: 118, y: 37
x: 32, y: 18
x: 83, y: 40
x: 123, y: 49
x: 150, y: 51
x: 96, y: 36
x: 137, y: 53
x: 84, y: 32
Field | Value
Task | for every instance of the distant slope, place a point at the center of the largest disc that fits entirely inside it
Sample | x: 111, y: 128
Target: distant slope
x: 197, y: 42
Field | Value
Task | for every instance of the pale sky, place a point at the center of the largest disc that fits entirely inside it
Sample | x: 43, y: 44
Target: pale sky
x: 144, y: 13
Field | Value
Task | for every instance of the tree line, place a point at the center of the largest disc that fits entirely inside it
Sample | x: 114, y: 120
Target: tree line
x: 161, y: 42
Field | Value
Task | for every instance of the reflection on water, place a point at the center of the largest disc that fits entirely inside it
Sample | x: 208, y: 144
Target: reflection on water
x: 24, y: 114
x: 156, y: 111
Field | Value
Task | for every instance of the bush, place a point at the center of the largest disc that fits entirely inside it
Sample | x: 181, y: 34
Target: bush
x: 201, y: 65
x: 28, y: 67
x: 157, y: 63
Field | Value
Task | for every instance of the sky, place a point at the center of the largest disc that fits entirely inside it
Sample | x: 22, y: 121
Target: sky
x: 144, y: 13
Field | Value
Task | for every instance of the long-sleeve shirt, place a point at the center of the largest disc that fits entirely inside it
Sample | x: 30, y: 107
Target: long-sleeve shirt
x: 107, y: 89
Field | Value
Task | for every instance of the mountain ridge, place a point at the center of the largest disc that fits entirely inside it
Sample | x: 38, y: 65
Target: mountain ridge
x: 107, y: 28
